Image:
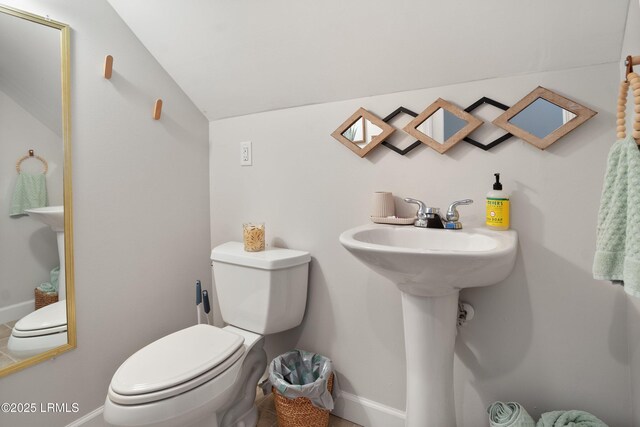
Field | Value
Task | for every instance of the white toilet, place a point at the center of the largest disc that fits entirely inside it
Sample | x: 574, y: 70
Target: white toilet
x: 40, y: 331
x: 207, y: 376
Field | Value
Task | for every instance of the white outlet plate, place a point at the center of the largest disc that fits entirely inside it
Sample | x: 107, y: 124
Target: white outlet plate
x: 245, y: 153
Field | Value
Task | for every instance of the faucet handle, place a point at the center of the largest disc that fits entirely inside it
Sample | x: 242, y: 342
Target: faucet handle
x: 452, y: 215
x: 422, y: 208
x: 421, y: 215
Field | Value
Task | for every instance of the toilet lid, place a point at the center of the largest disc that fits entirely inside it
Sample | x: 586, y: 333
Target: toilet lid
x: 50, y: 319
x: 175, y: 359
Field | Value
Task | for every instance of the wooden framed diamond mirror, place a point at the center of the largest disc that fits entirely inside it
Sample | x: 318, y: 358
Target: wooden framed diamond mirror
x: 542, y: 117
x: 442, y: 125
x: 362, y: 132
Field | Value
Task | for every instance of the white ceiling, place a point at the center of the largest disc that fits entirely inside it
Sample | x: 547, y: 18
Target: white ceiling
x: 236, y: 57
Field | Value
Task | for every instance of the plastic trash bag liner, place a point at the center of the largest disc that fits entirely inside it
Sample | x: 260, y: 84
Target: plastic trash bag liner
x: 300, y: 373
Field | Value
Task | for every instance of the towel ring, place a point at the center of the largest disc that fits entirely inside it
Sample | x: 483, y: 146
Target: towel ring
x: 32, y: 155
x: 632, y: 80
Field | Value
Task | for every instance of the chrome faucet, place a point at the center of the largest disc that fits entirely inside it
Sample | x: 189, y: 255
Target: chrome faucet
x: 430, y: 217
x: 426, y: 217
x: 452, y: 216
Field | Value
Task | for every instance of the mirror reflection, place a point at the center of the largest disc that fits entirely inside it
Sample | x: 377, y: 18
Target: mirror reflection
x: 541, y: 118
x: 33, y: 280
x: 441, y: 125
x: 362, y: 132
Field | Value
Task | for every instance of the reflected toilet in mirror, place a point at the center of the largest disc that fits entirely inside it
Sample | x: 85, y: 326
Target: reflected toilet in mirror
x: 37, y: 311
x: 362, y: 132
x: 542, y: 117
x: 442, y: 125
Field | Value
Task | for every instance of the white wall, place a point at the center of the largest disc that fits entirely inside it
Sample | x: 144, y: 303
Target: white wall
x: 141, y: 207
x: 549, y: 336
x: 631, y: 46
x: 28, y: 248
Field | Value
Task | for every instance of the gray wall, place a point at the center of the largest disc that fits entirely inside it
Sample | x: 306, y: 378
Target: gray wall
x: 28, y: 248
x: 141, y: 205
x: 549, y: 336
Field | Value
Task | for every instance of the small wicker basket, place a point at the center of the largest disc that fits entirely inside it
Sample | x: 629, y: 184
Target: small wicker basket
x: 44, y: 298
x: 300, y: 412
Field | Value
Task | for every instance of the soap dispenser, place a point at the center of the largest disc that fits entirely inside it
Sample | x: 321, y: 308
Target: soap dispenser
x: 497, y: 207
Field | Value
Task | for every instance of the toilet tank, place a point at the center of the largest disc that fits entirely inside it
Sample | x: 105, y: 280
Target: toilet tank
x: 263, y: 292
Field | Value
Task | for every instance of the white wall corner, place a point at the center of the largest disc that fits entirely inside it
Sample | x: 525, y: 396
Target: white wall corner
x: 367, y: 412
x: 92, y: 419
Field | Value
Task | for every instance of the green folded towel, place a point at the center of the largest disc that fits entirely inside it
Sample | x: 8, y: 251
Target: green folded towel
x: 51, y: 286
x: 617, y: 256
x: 30, y: 192
x: 569, y: 419
x: 509, y: 414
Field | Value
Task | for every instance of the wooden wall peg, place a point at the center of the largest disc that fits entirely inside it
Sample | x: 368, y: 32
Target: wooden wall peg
x: 157, y: 109
x: 108, y: 66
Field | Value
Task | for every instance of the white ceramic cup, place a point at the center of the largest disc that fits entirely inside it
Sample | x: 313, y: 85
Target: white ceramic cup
x: 383, y: 204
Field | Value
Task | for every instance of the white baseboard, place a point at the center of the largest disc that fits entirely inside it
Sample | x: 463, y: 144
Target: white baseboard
x: 16, y: 311
x: 354, y: 408
x: 92, y: 419
x: 366, y: 412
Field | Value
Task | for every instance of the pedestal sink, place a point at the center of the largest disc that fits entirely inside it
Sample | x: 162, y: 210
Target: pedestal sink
x: 430, y: 266
x: 53, y: 216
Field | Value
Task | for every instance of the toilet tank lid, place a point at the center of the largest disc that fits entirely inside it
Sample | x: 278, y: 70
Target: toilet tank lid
x: 269, y: 259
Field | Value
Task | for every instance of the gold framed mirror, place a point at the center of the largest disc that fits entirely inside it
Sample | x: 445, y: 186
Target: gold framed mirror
x: 36, y: 215
x: 362, y: 132
x: 542, y: 117
x: 442, y: 125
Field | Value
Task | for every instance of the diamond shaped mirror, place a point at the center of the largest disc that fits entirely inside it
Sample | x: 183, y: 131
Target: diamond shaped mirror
x: 442, y: 125
x: 362, y: 132
x: 542, y: 117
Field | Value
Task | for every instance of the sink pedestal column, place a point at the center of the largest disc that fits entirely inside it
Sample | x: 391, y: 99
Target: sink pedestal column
x: 430, y: 334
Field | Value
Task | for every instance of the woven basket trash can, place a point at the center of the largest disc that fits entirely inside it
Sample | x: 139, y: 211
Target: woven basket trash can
x: 44, y: 298
x: 302, y: 383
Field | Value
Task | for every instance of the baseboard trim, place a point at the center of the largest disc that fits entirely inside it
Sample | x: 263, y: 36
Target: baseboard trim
x: 367, y: 412
x: 354, y: 408
x: 92, y: 419
x: 16, y: 311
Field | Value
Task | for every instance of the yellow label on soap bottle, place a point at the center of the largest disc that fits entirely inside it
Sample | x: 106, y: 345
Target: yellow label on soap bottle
x: 498, y: 213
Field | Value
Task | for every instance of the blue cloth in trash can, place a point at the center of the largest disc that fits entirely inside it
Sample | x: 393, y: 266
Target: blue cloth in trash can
x: 300, y: 373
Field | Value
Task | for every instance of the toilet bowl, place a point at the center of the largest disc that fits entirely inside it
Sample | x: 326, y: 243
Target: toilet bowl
x: 40, y: 331
x: 205, y: 376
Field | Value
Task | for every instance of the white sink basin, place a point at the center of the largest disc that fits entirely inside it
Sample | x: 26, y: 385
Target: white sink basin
x: 53, y: 216
x: 432, y: 262
x: 430, y: 267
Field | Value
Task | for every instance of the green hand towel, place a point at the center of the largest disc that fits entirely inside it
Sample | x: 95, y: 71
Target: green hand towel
x: 51, y: 286
x: 569, y: 419
x: 617, y: 254
x: 509, y: 414
x: 30, y: 192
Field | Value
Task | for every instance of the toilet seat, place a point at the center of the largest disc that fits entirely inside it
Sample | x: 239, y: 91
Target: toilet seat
x: 51, y: 319
x: 175, y: 364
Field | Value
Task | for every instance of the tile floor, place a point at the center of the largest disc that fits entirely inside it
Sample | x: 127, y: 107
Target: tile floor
x: 267, y: 413
x: 5, y: 358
